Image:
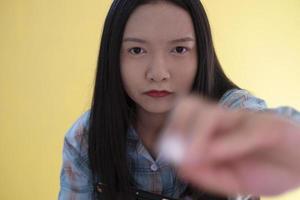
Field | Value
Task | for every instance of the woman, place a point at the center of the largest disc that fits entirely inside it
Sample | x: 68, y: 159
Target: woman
x: 152, y: 53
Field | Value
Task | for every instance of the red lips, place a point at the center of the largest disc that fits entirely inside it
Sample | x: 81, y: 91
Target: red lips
x: 158, y: 93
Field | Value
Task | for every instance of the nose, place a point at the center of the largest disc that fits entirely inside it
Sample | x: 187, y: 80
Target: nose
x: 157, y: 70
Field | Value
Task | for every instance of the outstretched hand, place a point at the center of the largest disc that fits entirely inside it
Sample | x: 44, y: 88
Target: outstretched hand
x: 235, y: 152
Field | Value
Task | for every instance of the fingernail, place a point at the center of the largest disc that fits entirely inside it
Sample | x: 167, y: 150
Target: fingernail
x: 172, y: 148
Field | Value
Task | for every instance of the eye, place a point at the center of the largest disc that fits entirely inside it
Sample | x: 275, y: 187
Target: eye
x: 136, y: 50
x: 180, y: 50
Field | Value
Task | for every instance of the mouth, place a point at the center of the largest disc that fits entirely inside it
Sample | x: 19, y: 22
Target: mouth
x: 158, y: 93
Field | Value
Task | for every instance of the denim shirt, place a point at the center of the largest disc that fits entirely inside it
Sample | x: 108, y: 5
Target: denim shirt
x: 149, y: 174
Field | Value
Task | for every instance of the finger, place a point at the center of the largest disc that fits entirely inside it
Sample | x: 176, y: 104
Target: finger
x: 203, y: 129
x: 172, y: 142
x: 210, y: 125
x: 249, y: 138
x: 182, y: 116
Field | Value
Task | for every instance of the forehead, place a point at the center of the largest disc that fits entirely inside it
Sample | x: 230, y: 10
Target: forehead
x: 159, y: 21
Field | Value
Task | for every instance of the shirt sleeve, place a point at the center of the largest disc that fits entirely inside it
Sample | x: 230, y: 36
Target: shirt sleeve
x: 75, y: 177
x: 286, y: 111
x: 243, y: 99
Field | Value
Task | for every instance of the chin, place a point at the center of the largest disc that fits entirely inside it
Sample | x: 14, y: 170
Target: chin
x: 157, y: 109
x: 155, y: 106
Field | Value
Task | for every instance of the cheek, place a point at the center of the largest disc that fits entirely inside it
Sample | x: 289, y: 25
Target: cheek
x: 132, y: 78
x: 187, y: 79
x: 132, y: 70
x: 185, y: 74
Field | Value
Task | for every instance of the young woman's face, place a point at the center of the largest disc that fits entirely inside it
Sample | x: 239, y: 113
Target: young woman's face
x: 158, y: 56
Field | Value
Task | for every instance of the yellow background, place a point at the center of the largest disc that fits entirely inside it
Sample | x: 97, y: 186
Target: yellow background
x: 48, y: 53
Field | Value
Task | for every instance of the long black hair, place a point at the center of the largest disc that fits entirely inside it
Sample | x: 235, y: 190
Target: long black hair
x: 111, y: 109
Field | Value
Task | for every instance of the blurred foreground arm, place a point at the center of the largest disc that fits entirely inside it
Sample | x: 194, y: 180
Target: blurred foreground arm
x: 236, y: 152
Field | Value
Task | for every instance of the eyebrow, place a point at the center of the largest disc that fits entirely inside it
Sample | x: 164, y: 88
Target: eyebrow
x: 185, y: 39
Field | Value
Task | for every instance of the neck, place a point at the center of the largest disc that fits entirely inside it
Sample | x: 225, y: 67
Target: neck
x: 148, y: 126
